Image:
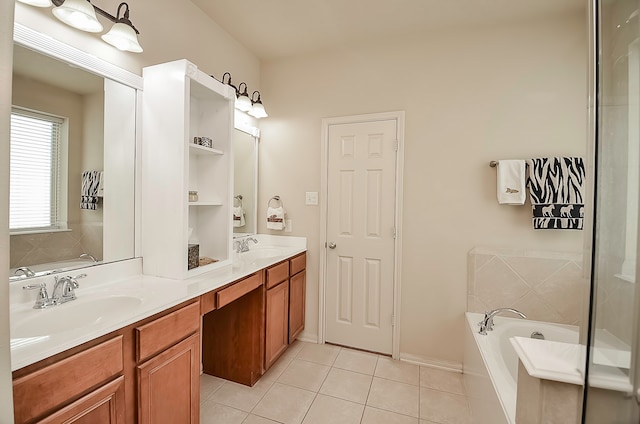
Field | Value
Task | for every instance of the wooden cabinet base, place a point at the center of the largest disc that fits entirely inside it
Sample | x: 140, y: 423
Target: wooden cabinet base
x: 169, y: 385
x: 232, y: 339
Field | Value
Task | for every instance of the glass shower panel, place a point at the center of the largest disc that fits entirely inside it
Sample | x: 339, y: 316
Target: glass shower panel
x: 613, y: 375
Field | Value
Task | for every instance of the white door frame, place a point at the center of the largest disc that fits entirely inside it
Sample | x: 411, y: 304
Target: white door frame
x: 398, y: 116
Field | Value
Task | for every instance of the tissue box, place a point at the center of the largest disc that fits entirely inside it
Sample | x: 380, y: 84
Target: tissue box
x: 193, y: 256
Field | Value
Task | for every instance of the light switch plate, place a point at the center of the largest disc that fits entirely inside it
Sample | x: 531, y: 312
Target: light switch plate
x: 311, y: 198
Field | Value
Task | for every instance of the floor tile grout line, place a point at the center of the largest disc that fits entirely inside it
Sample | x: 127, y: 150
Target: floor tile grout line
x: 317, y: 392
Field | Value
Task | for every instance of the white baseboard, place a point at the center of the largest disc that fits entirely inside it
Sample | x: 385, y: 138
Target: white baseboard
x: 430, y: 362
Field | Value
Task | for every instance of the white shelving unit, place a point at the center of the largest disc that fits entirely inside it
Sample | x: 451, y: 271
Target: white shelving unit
x: 180, y: 103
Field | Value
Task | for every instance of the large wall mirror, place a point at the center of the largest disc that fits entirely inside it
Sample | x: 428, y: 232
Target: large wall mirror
x: 245, y: 178
x: 73, y: 156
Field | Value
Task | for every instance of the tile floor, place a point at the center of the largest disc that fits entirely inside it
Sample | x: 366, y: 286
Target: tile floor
x: 314, y: 383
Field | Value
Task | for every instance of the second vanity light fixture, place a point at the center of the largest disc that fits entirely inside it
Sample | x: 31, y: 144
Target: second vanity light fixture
x: 243, y: 102
x: 81, y: 14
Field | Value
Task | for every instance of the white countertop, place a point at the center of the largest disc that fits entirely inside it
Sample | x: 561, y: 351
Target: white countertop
x: 149, y: 295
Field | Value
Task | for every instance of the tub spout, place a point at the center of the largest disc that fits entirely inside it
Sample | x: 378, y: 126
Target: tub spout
x: 487, y: 323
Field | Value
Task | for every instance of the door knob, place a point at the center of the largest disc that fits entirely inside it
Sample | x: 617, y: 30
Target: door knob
x: 332, y: 245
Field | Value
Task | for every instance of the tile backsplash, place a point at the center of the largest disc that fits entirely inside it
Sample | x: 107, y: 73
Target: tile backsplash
x: 30, y: 249
x: 546, y: 286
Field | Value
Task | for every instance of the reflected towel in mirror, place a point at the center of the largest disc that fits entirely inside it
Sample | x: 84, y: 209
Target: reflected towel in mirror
x: 92, y: 189
x: 238, y: 217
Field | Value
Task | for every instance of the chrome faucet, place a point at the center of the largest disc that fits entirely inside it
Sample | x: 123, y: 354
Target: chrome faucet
x: 42, y: 301
x: 90, y: 257
x: 24, y: 270
x: 242, y: 245
x: 64, y: 289
x: 487, y: 323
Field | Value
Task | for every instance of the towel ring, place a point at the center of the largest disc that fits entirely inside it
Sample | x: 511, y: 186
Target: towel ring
x: 237, y: 201
x: 277, y: 199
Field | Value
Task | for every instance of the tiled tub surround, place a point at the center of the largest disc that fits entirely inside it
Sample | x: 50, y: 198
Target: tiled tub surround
x: 155, y: 294
x: 50, y: 247
x: 546, y: 286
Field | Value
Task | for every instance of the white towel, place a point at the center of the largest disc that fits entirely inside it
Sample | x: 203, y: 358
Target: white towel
x: 275, y: 218
x: 511, y: 182
x: 238, y: 217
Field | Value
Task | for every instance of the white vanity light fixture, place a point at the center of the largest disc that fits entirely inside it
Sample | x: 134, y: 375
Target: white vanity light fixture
x: 78, y: 14
x: 257, y: 110
x: 123, y: 35
x: 243, y: 102
x: 81, y: 14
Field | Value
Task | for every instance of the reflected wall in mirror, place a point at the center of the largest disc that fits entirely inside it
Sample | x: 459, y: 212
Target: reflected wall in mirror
x: 97, y: 132
x: 245, y: 183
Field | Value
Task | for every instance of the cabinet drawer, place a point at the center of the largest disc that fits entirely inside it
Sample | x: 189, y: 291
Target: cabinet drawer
x: 104, y: 405
x: 207, y: 303
x: 298, y: 263
x: 239, y: 289
x: 43, y: 390
x: 277, y: 274
x: 158, y: 335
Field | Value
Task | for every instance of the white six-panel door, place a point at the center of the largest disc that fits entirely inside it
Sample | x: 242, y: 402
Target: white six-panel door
x: 361, y: 172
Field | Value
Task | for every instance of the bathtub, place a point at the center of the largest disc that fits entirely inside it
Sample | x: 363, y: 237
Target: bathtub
x: 491, y: 364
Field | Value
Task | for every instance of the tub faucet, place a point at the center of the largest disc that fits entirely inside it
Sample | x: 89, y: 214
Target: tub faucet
x: 89, y: 257
x: 487, y: 323
x: 24, y: 270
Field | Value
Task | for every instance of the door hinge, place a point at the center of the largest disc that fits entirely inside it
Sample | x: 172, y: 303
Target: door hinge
x: 396, y: 145
x: 395, y: 234
x: 393, y: 320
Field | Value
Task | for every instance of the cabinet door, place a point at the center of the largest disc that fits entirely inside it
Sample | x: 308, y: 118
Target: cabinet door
x: 102, y: 406
x: 277, y: 323
x: 297, y: 287
x: 169, y: 385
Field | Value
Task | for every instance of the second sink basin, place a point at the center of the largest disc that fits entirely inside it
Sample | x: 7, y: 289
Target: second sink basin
x: 256, y: 253
x: 69, y: 316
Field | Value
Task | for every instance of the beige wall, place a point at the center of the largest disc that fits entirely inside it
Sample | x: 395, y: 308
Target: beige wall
x: 470, y: 96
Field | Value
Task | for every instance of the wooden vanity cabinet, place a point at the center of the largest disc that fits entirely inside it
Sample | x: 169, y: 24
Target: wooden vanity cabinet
x: 103, y: 405
x: 285, y: 306
x: 39, y: 394
x: 233, y: 331
x: 168, y: 373
x: 276, y: 322
x: 297, y: 294
x: 147, y: 372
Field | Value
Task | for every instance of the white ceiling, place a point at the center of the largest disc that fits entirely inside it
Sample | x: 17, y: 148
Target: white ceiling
x: 279, y: 28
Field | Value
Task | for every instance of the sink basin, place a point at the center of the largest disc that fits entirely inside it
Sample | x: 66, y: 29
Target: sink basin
x: 69, y: 316
x: 258, y: 253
